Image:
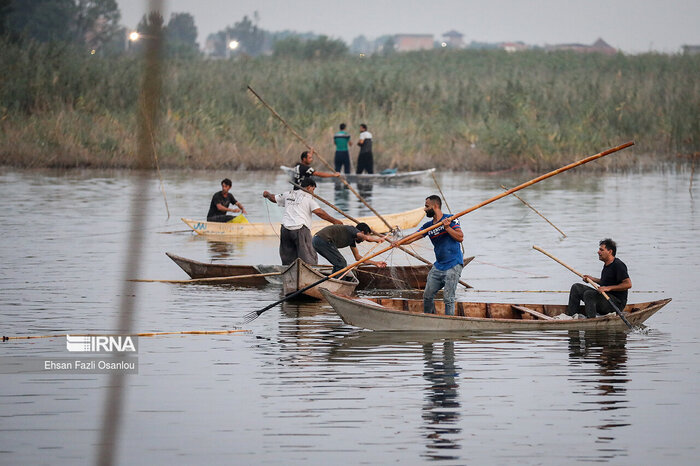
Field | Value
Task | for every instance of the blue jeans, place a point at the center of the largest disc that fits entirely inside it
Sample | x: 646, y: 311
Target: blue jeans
x: 438, y: 279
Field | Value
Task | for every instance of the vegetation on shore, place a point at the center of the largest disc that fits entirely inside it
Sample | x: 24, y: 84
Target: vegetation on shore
x: 471, y: 110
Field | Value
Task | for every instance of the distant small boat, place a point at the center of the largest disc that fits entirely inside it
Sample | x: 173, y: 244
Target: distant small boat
x: 369, y: 276
x: 401, y: 220
x: 300, y: 275
x: 407, y: 315
x: 385, y: 176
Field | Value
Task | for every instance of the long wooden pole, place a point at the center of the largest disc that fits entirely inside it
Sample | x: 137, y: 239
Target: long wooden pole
x: 407, y: 251
x: 207, y: 279
x: 303, y: 141
x: 591, y: 282
x: 536, y: 211
x: 252, y: 315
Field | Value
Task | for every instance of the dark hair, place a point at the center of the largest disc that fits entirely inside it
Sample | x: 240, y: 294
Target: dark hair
x: 227, y: 182
x: 609, y: 244
x: 304, y: 154
x: 363, y: 125
x: 436, y: 199
x: 307, y: 182
x: 342, y: 126
x: 363, y: 227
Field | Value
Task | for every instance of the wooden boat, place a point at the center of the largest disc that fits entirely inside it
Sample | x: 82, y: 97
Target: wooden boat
x: 407, y: 315
x: 401, y: 220
x: 389, y: 177
x: 395, y: 277
x: 300, y: 274
x: 196, y: 269
x: 369, y: 276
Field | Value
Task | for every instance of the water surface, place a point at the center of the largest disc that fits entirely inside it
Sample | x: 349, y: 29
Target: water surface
x: 303, y: 387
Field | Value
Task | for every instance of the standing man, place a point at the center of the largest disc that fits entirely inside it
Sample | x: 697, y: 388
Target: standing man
x: 220, y: 204
x: 449, y: 263
x: 341, y: 139
x: 329, y: 240
x: 365, y: 161
x: 295, y: 231
x: 614, y: 280
x: 303, y: 169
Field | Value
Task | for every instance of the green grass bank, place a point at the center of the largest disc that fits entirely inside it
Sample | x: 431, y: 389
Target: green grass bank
x: 463, y: 110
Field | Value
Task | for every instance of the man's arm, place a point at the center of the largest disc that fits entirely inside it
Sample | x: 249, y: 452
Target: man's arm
x: 356, y: 253
x: 325, y: 216
x: 455, y: 234
x: 240, y: 206
x: 625, y: 284
x: 222, y: 208
x: 326, y: 175
x: 269, y: 196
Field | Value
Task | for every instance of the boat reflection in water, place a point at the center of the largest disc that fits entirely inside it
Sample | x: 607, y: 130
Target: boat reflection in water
x: 220, y: 250
x: 598, y: 360
x: 441, y: 410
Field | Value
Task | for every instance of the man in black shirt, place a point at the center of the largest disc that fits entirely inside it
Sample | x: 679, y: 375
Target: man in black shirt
x: 220, y: 204
x: 614, y: 280
x: 304, y: 170
x: 330, y: 239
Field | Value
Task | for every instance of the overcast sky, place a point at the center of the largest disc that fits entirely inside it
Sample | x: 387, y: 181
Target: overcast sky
x: 630, y: 25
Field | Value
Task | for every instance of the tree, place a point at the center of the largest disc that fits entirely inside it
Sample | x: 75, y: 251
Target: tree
x: 319, y: 48
x: 96, y: 22
x: 181, y: 36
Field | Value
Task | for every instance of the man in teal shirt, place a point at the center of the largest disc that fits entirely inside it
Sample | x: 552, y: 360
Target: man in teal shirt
x: 342, y: 153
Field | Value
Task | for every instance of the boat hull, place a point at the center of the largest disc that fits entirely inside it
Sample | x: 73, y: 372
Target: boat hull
x: 407, y: 277
x: 387, y: 314
x: 196, y: 269
x: 401, y: 220
x: 300, y: 275
x: 398, y: 177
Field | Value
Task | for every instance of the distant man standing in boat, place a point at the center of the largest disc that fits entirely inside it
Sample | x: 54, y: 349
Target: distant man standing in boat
x: 449, y: 262
x: 303, y: 169
x: 332, y: 238
x: 220, y: 204
x: 365, y: 160
x: 341, y: 139
x: 295, y: 231
x: 614, y: 280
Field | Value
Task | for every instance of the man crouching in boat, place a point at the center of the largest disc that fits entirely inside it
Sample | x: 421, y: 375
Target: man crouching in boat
x: 330, y: 239
x: 614, y: 280
x: 449, y: 263
x: 220, y: 204
x: 295, y: 232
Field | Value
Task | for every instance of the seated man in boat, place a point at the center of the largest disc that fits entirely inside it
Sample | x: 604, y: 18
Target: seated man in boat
x: 614, y: 280
x: 303, y: 169
x: 329, y: 240
x: 449, y: 262
x: 295, y: 232
x: 220, y: 204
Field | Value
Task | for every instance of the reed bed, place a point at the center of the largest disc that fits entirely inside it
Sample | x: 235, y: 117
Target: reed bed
x: 471, y: 110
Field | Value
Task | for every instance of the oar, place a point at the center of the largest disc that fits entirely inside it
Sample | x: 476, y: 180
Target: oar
x: 406, y: 250
x: 592, y: 283
x: 332, y: 169
x: 207, y: 279
x: 253, y: 315
x: 536, y: 211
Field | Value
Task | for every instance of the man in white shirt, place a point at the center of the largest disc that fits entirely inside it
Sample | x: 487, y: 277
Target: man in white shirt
x: 295, y: 232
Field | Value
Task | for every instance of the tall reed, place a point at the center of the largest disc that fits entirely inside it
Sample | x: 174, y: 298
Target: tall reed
x: 483, y: 110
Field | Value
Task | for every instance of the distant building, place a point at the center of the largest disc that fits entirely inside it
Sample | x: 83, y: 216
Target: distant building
x: 413, y: 42
x: 691, y: 49
x: 453, y: 39
x: 599, y: 46
x: 513, y: 46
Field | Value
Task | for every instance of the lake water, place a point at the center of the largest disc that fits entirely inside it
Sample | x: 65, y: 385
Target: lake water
x: 301, y: 387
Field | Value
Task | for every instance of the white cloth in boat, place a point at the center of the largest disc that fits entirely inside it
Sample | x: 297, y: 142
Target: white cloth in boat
x: 298, y: 206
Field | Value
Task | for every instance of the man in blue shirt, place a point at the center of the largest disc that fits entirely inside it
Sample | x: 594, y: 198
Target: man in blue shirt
x: 448, y: 264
